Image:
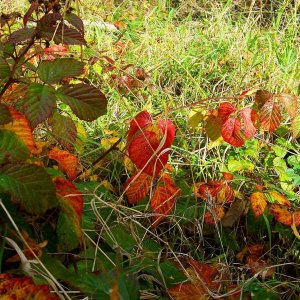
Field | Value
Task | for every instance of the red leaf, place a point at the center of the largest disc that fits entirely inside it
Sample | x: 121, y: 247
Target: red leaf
x: 225, y: 110
x: 270, y: 116
x: 142, y: 120
x: 167, y: 128
x: 290, y: 104
x: 231, y: 132
x: 67, y: 162
x: 259, y: 203
x: 214, y: 216
x: 227, y: 176
x: 209, y: 189
x: 163, y: 199
x: 285, y: 215
x: 209, y: 274
x: 137, y: 187
x: 249, y: 117
x: 20, y: 288
x: 72, y: 195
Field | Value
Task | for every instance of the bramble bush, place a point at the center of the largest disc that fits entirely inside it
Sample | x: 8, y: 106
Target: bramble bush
x: 86, y: 239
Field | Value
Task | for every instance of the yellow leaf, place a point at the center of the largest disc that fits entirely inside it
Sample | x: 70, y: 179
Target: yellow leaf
x: 196, y: 116
x: 81, y: 138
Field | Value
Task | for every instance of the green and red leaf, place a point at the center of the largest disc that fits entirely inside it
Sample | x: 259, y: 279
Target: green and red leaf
x: 270, y: 116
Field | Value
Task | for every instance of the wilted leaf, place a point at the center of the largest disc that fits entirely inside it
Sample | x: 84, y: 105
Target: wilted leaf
x: 259, y: 203
x: 296, y: 127
x: 39, y: 103
x: 285, y: 215
x: 30, y: 184
x: 163, y: 199
x: 290, y: 104
x: 67, y: 162
x: 270, y: 116
x: 213, y: 127
x: 261, y: 97
x: 12, y: 149
x: 64, y: 130
x: 225, y: 110
x: 54, y: 71
x: 137, y: 187
x: 188, y: 291
x: 231, y: 132
x: 215, y: 215
x: 86, y: 101
x: 249, y: 117
x: 71, y: 203
x: 20, y: 288
x: 20, y: 126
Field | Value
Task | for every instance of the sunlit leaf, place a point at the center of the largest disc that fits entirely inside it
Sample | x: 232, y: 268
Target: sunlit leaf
x: 163, y: 199
x: 86, y: 101
x: 249, y: 117
x: 137, y: 187
x: 141, y: 120
x: 259, y: 203
x: 279, y: 198
x: 285, y: 215
x: 225, y: 110
x: 296, y: 127
x: 30, y: 184
x: 196, y: 116
x: 67, y: 162
x: 213, y: 127
x: 270, y: 116
x: 289, y: 102
x: 231, y: 132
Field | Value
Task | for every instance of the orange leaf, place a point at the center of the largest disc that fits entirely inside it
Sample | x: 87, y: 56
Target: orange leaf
x: 231, y: 132
x: 67, y: 162
x: 137, y: 187
x: 20, y: 288
x: 214, y: 216
x: 72, y: 197
x: 290, y: 104
x: 188, y: 291
x: 279, y: 198
x: 208, y: 274
x: 20, y: 126
x: 225, y: 194
x: 270, y: 116
x: 163, y: 199
x: 285, y: 215
x: 208, y: 190
x: 259, y: 203
x: 258, y: 265
x: 227, y: 176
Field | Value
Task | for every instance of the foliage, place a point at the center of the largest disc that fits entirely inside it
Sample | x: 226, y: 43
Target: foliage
x: 193, y: 199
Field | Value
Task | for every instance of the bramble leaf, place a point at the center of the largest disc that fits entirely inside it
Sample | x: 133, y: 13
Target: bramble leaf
x: 141, y: 120
x: 249, y: 117
x: 86, y: 101
x: 296, y: 127
x: 261, y: 97
x: 64, y: 130
x: 67, y: 162
x: 284, y: 215
x: 163, y: 199
x: 231, y: 132
x: 289, y: 102
x: 54, y: 71
x: 5, y: 116
x: 21, y: 35
x: 12, y: 149
x: 30, y: 184
x: 39, y: 103
x: 225, y: 110
x: 137, y: 187
x: 270, y: 116
x: 4, y: 69
x: 259, y: 203
x: 213, y: 127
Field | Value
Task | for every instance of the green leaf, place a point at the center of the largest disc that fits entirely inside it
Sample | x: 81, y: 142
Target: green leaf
x: 64, y: 130
x: 31, y: 185
x: 54, y: 71
x: 39, y: 103
x: 67, y: 237
x: 5, y: 115
x: 4, y: 69
x: 12, y: 149
x: 239, y: 165
x: 128, y: 287
x: 119, y: 237
x: 86, y: 101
